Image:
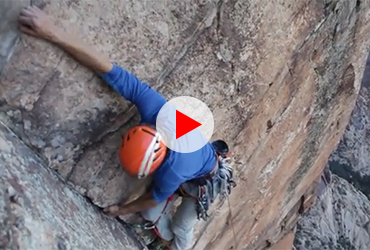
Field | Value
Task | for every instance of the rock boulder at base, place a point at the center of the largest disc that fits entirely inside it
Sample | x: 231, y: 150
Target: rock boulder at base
x: 38, y: 211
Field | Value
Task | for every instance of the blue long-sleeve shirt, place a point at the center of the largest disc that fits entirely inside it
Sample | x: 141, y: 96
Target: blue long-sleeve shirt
x: 177, y: 167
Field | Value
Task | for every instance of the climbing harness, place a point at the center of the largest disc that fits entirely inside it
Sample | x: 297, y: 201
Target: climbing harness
x: 218, y: 183
x: 209, y: 189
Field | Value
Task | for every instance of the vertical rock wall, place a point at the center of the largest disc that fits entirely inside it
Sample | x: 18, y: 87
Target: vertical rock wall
x: 8, y: 33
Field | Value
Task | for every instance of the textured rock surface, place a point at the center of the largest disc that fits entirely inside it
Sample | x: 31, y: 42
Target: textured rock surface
x: 351, y: 159
x: 38, y: 211
x: 339, y: 220
x: 8, y: 33
x: 285, y: 243
x: 281, y: 78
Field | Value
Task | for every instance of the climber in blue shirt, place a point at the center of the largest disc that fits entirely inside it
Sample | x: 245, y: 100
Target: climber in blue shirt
x: 170, y: 169
x: 141, y: 152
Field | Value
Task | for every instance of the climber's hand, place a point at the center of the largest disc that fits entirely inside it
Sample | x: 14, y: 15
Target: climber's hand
x: 114, y: 211
x: 35, y: 22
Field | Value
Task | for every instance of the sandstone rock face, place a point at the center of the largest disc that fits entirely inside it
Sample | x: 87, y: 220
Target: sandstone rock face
x: 281, y: 79
x: 351, y: 158
x: 39, y: 211
x: 339, y: 220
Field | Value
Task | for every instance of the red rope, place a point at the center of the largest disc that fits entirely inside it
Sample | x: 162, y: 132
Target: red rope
x: 164, y: 208
x: 155, y: 227
x: 165, y: 242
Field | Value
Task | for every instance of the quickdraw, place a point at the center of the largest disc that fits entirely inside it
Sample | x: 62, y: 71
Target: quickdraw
x: 145, y: 226
x: 219, y: 186
x: 202, y: 204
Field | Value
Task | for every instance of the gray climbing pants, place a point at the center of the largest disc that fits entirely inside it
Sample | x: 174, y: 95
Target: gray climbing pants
x: 179, y: 229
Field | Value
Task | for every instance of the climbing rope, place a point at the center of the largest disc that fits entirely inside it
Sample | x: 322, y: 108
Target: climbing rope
x: 232, y: 224
x: 152, y: 225
x: 164, y: 241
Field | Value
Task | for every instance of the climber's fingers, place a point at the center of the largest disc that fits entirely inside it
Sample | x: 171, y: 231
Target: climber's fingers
x: 34, y: 21
x: 27, y: 30
x: 111, y: 210
x: 27, y: 12
x: 25, y: 20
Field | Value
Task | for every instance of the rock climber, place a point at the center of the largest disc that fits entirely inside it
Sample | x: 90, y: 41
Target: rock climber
x: 141, y: 153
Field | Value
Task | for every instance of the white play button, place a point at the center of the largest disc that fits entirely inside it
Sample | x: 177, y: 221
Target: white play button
x: 185, y: 124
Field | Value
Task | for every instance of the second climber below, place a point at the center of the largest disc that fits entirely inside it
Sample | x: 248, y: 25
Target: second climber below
x: 141, y: 153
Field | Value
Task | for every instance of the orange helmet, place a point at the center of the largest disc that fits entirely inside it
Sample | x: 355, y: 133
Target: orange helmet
x: 141, y: 151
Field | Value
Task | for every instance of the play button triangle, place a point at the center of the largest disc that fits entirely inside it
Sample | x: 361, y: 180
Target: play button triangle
x: 178, y: 131
x: 184, y: 124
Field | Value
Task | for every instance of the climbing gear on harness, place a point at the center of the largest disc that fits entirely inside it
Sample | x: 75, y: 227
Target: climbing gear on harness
x: 145, y: 226
x: 218, y: 183
x: 141, y: 151
x: 222, y: 149
x: 144, y: 231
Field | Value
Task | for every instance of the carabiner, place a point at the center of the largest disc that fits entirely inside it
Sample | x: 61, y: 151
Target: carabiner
x: 148, y: 226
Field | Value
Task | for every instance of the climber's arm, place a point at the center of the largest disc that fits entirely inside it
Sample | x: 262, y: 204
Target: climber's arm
x: 141, y: 187
x: 144, y: 202
x: 82, y: 52
x: 35, y: 22
x: 162, y: 188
